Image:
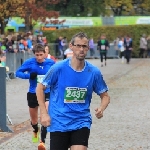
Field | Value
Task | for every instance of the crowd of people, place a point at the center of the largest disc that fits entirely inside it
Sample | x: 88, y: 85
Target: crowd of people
x: 20, y: 42
x: 124, y: 47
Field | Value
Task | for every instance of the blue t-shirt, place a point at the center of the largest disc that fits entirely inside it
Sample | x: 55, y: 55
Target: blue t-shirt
x: 31, y: 65
x: 29, y: 44
x: 21, y: 46
x: 71, y: 94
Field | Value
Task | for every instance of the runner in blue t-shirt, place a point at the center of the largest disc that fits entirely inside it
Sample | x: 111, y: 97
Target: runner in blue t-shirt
x: 35, y: 69
x: 72, y: 82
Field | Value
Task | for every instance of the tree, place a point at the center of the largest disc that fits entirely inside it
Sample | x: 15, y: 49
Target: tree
x: 79, y: 7
x: 28, y: 9
x: 9, y: 8
x: 35, y: 10
x: 127, y: 7
x: 118, y: 7
x: 141, y: 7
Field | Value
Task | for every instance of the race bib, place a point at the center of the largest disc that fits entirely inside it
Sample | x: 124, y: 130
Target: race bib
x: 40, y: 78
x: 75, y: 95
x: 122, y: 49
x: 103, y: 47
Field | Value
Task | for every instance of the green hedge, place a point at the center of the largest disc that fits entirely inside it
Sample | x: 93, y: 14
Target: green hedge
x: 134, y: 31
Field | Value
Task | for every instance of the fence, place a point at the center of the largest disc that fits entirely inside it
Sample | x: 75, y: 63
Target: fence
x: 14, y: 60
x: 3, y: 110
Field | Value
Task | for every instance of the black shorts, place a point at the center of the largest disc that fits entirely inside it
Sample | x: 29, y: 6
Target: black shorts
x: 63, y: 140
x: 32, y: 99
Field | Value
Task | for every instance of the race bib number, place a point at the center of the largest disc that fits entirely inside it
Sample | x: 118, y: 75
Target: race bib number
x: 75, y: 95
x: 103, y: 47
x: 40, y: 78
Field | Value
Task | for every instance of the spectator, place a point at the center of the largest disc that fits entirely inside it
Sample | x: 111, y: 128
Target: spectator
x: 128, y: 47
x: 148, y: 46
x: 19, y: 36
x: 60, y: 47
x: 29, y: 43
x: 57, y: 47
x: 34, y: 40
x: 2, y: 59
x: 44, y: 40
x: 68, y: 53
x: 121, y: 48
x: 3, y: 47
x: 143, y: 46
x: 39, y: 40
x: 64, y: 43
x: 21, y: 46
x: 9, y: 45
x: 91, y: 45
x: 15, y: 46
x: 116, y: 41
x: 47, y: 53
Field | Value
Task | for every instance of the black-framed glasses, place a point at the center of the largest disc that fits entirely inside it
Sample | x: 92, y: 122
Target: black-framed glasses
x: 79, y: 46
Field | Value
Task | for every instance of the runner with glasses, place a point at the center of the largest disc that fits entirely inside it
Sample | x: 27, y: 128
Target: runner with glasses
x: 72, y: 82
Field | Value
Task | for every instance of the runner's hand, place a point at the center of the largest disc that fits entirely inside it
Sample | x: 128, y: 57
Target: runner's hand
x: 45, y: 120
x: 98, y: 113
x: 33, y: 75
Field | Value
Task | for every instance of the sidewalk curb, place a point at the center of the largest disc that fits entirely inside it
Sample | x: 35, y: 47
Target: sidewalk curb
x: 17, y: 129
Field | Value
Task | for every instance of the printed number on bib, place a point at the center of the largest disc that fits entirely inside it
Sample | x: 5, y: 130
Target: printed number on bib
x: 40, y: 78
x: 75, y: 95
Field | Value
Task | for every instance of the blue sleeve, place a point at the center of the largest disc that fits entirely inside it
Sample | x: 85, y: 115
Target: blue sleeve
x: 22, y: 72
x: 99, y: 83
x: 51, y: 77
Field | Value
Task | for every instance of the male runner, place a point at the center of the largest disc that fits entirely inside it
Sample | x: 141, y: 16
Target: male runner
x: 41, y: 145
x: 35, y: 69
x: 68, y: 118
x: 103, y: 46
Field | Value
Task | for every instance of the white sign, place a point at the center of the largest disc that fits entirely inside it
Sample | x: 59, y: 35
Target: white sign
x: 77, y: 22
x: 143, y: 20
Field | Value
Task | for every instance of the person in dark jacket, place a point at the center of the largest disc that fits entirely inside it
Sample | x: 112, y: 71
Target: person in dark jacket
x: 103, y: 46
x: 128, y: 48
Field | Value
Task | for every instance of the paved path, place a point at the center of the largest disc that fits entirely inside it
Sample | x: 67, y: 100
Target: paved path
x: 126, y: 122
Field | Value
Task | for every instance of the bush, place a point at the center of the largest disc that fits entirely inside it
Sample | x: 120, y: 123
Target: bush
x: 134, y: 31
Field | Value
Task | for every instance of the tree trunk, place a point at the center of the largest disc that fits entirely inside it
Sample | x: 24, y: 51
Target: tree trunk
x: 2, y: 26
x: 27, y: 26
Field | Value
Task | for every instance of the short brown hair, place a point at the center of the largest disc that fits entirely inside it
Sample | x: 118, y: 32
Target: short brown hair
x: 38, y: 48
x: 79, y: 35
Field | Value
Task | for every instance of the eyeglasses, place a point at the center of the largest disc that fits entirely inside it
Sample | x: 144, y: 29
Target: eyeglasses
x: 79, y: 46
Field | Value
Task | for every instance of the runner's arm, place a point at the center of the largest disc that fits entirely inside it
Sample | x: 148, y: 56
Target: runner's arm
x: 105, y: 100
x: 41, y: 98
x: 44, y: 117
x: 22, y: 71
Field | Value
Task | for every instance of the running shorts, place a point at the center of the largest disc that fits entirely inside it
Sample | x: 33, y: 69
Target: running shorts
x: 64, y: 140
x: 32, y: 99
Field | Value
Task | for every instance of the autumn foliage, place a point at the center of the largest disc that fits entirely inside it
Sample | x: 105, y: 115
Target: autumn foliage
x: 30, y: 10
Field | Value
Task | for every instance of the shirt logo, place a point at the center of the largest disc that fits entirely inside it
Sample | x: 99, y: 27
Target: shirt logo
x: 41, y: 67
